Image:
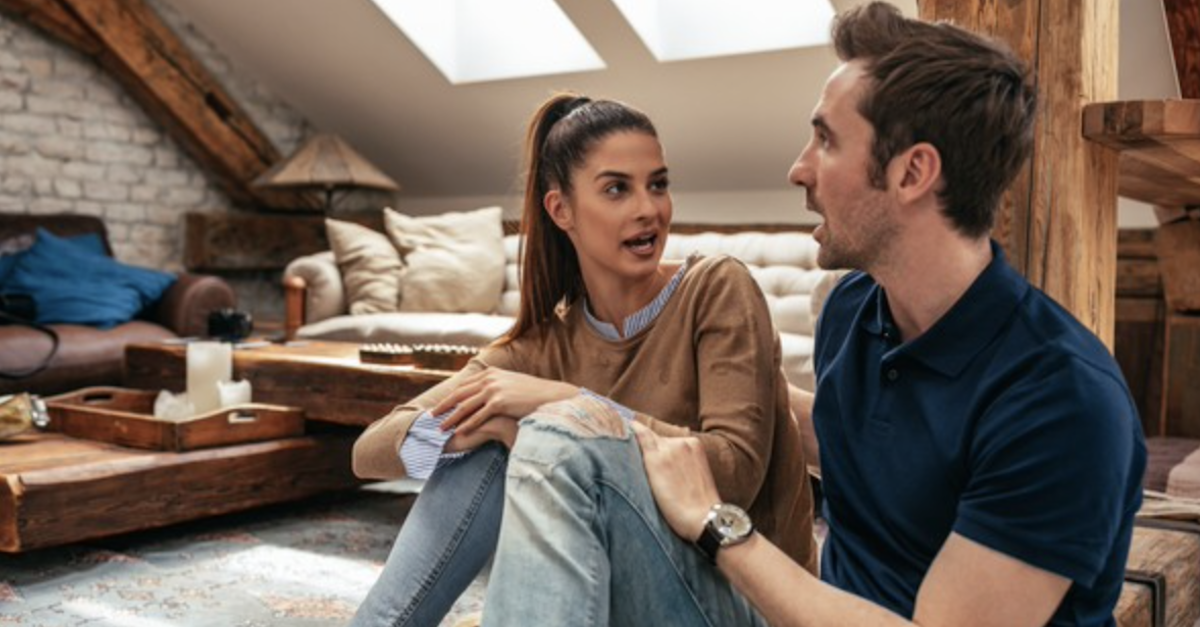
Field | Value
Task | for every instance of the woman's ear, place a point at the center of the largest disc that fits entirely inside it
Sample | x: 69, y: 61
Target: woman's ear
x: 920, y: 171
x: 555, y: 204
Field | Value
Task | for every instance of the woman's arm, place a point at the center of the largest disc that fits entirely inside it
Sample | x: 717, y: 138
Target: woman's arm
x: 738, y: 378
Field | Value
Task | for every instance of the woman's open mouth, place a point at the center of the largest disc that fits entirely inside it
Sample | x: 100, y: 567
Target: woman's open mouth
x: 643, y: 244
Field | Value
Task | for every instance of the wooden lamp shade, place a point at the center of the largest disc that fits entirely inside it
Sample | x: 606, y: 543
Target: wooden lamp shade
x: 325, y: 162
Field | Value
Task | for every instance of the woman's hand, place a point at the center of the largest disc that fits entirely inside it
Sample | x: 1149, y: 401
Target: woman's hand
x: 501, y: 429
x: 494, y: 392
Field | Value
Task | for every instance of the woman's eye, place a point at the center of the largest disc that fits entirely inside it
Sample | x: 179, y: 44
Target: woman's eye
x: 614, y: 189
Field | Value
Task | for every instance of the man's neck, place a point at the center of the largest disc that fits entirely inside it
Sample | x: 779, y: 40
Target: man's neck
x: 925, y: 277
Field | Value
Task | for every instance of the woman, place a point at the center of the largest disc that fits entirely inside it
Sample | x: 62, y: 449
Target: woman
x: 686, y: 347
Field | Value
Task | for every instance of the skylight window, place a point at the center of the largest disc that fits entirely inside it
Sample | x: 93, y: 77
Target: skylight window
x: 675, y: 30
x: 484, y: 40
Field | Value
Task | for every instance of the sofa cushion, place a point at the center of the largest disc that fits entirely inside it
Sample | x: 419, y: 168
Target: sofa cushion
x: 410, y: 328
x: 455, y: 260
x: 73, y: 283
x: 370, y: 266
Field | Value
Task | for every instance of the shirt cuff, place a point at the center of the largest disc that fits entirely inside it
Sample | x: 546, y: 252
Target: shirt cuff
x: 421, y: 451
x: 623, y: 411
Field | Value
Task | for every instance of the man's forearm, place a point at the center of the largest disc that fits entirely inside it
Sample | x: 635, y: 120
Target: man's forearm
x: 789, y: 596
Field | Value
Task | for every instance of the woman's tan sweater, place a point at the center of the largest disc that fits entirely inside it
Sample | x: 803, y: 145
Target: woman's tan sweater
x: 708, y: 366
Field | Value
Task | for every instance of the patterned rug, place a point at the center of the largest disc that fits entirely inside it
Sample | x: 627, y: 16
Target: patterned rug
x: 308, y: 564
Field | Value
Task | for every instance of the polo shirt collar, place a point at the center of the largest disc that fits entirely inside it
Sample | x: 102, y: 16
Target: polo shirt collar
x: 967, y: 327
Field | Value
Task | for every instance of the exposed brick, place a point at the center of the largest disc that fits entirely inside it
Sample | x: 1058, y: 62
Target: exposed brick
x: 121, y: 173
x: 146, y: 136
x: 32, y: 165
x: 109, y: 152
x: 76, y: 66
x: 166, y: 157
x: 106, y: 131
x: 13, y: 144
x: 60, y: 147
x: 103, y: 190
x: 159, y: 214
x: 61, y: 90
x: 43, y: 186
x: 183, y: 196
x: 125, y: 212
x: 70, y: 128
x: 28, y: 124
x: 11, y: 101
x: 84, y: 171
x: 50, y: 205
x: 90, y: 208
x: 50, y: 105
x: 67, y: 188
x: 38, y: 67
x: 16, y: 185
x: 14, y: 80
x: 116, y: 232
x: 144, y: 193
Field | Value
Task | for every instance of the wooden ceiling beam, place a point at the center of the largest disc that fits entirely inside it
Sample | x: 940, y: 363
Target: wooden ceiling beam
x: 129, y: 40
x: 1183, y: 27
x: 52, y: 18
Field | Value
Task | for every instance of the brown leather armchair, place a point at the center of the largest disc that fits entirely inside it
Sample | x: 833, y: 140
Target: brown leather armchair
x: 86, y: 355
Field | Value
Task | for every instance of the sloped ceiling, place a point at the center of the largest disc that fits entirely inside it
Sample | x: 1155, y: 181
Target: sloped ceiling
x: 729, y: 124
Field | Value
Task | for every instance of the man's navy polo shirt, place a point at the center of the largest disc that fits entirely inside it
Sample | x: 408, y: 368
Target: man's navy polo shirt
x: 1007, y: 422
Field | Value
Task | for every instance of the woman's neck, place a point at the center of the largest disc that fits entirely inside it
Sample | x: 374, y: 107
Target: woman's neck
x: 613, y: 301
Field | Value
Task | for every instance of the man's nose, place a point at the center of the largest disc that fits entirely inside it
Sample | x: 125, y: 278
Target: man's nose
x: 800, y: 172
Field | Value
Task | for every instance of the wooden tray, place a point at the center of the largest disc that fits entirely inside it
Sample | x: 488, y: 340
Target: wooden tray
x: 126, y: 417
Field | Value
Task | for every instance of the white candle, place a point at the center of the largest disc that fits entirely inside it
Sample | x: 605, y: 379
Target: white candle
x: 233, y: 392
x: 207, y: 363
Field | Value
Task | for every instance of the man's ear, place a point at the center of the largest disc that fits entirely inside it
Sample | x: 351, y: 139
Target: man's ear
x: 919, y: 171
x: 555, y: 204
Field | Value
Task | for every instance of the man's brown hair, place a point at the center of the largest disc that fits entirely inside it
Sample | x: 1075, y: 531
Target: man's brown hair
x: 968, y: 96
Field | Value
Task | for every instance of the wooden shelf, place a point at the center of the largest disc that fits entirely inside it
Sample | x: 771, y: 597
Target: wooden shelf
x: 1159, y: 142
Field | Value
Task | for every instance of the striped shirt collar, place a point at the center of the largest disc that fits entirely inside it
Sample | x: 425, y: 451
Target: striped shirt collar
x: 644, y: 316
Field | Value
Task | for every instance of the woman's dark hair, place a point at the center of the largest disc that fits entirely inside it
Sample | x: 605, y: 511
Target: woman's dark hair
x: 561, y: 135
x: 968, y: 96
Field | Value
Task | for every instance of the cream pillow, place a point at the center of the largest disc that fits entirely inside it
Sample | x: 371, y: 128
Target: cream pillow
x: 370, y: 265
x: 455, y: 261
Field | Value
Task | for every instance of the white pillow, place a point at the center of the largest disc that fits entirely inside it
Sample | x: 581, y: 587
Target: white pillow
x: 455, y: 260
x: 371, y: 267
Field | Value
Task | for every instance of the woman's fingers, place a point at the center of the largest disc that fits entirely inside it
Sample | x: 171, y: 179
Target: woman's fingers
x: 471, y: 385
x: 478, y: 418
x: 465, y: 409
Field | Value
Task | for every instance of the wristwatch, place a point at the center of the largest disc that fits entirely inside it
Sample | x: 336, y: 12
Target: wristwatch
x: 725, y: 525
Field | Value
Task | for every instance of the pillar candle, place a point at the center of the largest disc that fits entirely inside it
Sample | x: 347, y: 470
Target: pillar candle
x: 207, y: 363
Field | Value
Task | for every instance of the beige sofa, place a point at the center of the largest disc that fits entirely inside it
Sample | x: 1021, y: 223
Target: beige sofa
x: 783, y: 262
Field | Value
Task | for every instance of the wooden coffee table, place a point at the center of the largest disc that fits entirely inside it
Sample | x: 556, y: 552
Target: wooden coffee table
x: 326, y: 379
x: 57, y: 490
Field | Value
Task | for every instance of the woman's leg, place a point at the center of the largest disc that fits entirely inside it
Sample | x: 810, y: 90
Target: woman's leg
x: 583, y: 543
x: 448, y: 536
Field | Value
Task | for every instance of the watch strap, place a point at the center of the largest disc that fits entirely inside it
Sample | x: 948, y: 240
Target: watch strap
x: 709, y: 542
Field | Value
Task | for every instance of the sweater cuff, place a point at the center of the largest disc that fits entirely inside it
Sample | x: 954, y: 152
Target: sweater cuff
x: 421, y: 451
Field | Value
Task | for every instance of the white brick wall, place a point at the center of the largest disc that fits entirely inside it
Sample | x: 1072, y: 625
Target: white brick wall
x: 72, y: 140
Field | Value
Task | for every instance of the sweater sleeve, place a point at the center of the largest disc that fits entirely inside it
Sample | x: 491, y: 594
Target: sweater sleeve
x: 377, y: 451
x: 738, y: 370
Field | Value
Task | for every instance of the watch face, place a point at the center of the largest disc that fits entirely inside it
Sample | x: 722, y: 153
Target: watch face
x: 731, y: 522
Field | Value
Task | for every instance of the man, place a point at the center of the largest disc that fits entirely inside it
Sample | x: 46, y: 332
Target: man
x: 980, y: 453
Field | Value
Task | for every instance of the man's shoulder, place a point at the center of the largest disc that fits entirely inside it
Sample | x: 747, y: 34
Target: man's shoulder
x: 1052, y: 335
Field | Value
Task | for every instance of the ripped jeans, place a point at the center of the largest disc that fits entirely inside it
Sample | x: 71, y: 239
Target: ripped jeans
x: 582, y: 542
x: 447, y: 538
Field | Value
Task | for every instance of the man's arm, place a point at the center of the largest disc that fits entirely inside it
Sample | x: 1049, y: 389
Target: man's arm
x: 967, y: 583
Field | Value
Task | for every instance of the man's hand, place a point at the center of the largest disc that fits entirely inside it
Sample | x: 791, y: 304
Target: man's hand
x: 680, y: 478
x: 494, y: 392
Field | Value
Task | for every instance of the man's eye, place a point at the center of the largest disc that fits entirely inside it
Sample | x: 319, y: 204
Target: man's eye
x: 660, y: 185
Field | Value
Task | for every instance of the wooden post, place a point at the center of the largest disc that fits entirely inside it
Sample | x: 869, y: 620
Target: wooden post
x: 1058, y: 221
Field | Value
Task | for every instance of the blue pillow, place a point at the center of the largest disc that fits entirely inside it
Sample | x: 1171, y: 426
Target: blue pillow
x: 73, y: 281
x: 8, y: 258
